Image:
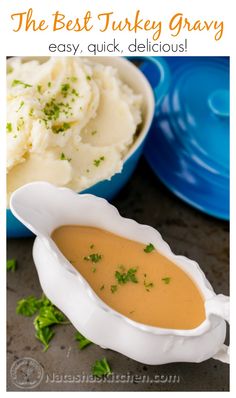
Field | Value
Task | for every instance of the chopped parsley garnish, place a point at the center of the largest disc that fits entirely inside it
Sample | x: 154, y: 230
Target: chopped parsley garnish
x: 65, y: 89
x: 9, y: 127
x: 48, y: 315
x: 39, y: 88
x: 94, y: 258
x: 21, y: 105
x: 102, y: 287
x: 88, y: 77
x: 11, y: 265
x: 10, y: 69
x: 63, y: 157
x: 91, y: 246
x: 20, y: 83
x: 20, y: 124
x: 31, y: 112
x: 97, y: 162
x: 101, y: 368
x: 114, y: 288
x: 149, y: 248
x: 83, y: 342
x: 166, y: 280
x: 74, y: 92
x: 124, y: 277
x: 52, y: 110
x: 49, y: 84
x: 148, y: 285
x: 94, y: 132
x: 59, y: 129
x: 94, y: 269
x: 73, y: 79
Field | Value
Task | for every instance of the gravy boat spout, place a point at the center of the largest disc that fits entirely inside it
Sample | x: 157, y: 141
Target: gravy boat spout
x: 43, y: 207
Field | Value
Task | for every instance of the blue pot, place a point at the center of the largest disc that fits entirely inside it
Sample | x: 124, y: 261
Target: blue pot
x: 157, y: 74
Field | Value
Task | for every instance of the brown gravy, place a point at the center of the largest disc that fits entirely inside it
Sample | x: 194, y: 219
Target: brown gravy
x: 132, y: 278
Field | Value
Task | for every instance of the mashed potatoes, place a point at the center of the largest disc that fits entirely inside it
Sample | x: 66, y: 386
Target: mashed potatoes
x: 70, y: 122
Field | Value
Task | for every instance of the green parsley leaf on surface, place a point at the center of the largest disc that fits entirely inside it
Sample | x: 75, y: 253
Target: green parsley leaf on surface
x: 11, y: 264
x: 83, y: 342
x: 44, y: 335
x: 27, y: 306
x: 48, y: 315
x: 101, y: 368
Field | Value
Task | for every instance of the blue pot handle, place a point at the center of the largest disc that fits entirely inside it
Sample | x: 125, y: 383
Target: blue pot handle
x: 157, y: 73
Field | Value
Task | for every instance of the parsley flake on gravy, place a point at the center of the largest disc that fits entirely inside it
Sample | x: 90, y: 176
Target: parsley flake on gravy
x: 123, y: 277
x: 94, y: 258
x: 148, y: 285
x: 166, y: 280
x: 149, y: 248
x: 114, y: 288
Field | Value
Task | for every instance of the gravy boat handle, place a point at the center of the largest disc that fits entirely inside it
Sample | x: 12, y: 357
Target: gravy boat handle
x: 36, y: 205
x: 219, y: 306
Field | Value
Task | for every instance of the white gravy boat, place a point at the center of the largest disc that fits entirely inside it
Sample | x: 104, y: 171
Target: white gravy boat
x: 43, y: 207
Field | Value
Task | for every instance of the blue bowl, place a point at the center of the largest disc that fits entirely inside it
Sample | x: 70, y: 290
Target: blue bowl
x: 154, y: 78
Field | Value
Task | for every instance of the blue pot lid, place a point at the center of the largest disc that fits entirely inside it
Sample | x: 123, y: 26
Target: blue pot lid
x: 188, y: 146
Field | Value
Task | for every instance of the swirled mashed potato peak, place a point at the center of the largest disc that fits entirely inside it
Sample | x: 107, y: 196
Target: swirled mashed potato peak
x: 69, y: 121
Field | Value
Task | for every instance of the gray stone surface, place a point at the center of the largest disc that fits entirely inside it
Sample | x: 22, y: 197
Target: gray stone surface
x: 188, y: 232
